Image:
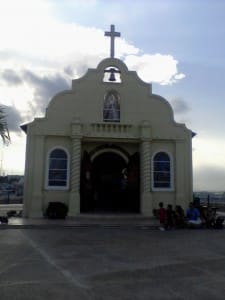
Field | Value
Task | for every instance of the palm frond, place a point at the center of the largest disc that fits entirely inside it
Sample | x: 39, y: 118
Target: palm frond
x: 4, y: 132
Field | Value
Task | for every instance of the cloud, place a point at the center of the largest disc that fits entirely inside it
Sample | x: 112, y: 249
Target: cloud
x: 41, y: 40
x: 155, y: 68
x: 209, y: 149
x: 45, y: 87
x: 209, y: 178
x: 40, y: 55
x: 43, y: 55
x: 13, y: 118
x: 11, y: 77
x: 42, y: 86
x: 208, y: 162
x: 180, y: 106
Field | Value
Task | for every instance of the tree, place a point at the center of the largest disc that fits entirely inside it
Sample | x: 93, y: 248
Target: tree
x: 4, y: 132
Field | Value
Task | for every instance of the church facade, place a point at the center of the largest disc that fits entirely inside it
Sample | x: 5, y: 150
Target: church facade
x: 107, y: 145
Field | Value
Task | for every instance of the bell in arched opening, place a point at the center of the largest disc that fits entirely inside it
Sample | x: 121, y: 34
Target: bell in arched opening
x: 112, y: 74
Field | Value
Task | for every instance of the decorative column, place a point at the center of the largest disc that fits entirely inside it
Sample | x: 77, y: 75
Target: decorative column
x: 145, y: 149
x: 27, y: 194
x: 183, y: 173
x: 74, y: 199
x: 37, y: 198
x: 180, y: 171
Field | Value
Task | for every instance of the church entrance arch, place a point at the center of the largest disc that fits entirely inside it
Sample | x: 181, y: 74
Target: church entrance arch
x: 108, y: 168
x: 110, y: 182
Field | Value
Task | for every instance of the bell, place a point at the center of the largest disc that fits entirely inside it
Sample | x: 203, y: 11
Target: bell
x: 112, y: 76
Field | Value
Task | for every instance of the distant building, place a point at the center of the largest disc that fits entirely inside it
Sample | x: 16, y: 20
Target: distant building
x: 107, y: 145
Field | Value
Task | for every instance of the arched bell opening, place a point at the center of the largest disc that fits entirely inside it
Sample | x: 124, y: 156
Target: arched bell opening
x: 112, y: 74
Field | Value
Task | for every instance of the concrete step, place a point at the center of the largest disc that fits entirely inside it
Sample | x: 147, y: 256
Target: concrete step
x: 85, y: 220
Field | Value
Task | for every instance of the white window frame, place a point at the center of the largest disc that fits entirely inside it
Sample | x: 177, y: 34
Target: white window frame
x: 163, y: 189
x: 50, y: 187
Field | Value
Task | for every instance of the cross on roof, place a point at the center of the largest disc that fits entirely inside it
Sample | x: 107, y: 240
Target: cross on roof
x: 112, y: 34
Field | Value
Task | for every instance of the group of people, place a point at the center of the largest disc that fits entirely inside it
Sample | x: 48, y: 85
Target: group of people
x: 193, y: 218
x: 170, y: 218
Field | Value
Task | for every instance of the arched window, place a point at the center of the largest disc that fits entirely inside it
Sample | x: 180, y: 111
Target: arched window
x: 57, y: 175
x: 111, y: 110
x: 162, y: 171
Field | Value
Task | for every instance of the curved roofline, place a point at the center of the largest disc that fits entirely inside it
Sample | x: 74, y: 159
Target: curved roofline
x: 165, y: 101
x: 114, y: 62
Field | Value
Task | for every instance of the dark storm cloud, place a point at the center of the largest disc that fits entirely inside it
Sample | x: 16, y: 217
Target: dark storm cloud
x: 11, y: 77
x: 69, y: 70
x: 13, y: 118
x: 45, y: 87
x: 180, y: 106
x: 78, y: 70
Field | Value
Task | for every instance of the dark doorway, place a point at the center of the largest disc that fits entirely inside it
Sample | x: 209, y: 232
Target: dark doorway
x: 133, y: 182
x: 107, y: 178
x: 112, y: 185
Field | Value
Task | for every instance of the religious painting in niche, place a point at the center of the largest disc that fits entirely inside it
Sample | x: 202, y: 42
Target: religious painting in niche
x: 112, y: 74
x: 111, y: 110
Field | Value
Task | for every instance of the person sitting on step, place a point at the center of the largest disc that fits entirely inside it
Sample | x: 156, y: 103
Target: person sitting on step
x: 193, y: 216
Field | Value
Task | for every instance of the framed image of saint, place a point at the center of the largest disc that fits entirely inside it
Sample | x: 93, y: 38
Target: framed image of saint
x: 111, y: 111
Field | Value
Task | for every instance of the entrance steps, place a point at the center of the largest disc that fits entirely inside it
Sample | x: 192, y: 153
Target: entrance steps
x: 118, y: 219
x: 87, y: 220
x: 112, y: 216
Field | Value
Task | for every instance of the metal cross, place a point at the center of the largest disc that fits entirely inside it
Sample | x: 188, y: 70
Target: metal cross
x: 112, y: 34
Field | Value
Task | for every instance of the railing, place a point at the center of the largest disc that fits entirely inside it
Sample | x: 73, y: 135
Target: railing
x: 4, y: 208
x: 111, y: 130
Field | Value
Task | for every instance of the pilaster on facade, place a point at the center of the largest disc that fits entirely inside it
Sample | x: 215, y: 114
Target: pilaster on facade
x: 38, y: 178
x: 180, y: 173
x: 27, y: 196
x: 145, y: 166
x: 74, y: 200
x: 145, y: 150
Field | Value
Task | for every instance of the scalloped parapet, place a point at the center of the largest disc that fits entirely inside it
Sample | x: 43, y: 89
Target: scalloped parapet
x: 85, y: 101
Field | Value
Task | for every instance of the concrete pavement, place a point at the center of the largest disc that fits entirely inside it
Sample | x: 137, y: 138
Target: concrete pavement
x: 111, y: 263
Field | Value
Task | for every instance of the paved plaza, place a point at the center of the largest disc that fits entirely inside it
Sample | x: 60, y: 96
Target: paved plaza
x: 111, y: 263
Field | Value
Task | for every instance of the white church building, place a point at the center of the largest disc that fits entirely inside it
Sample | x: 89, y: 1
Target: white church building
x: 107, y: 145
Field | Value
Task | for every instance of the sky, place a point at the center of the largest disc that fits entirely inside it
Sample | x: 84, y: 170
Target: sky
x: 177, y: 45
